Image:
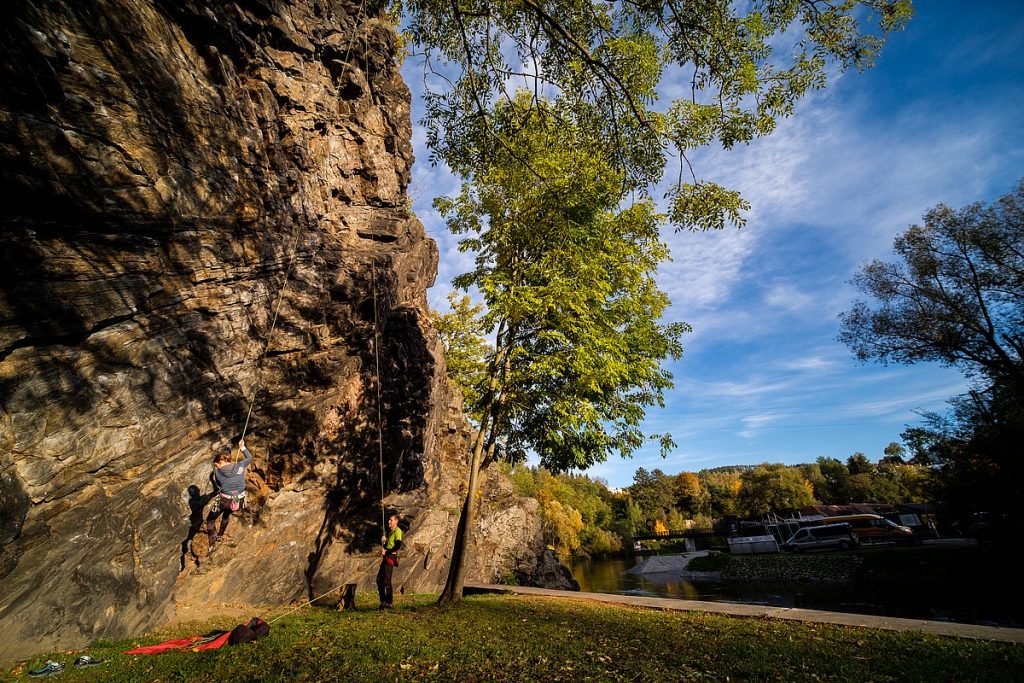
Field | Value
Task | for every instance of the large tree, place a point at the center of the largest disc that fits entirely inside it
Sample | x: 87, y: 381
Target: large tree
x: 956, y: 296
x: 650, y: 80
x: 609, y: 69
x: 567, y: 279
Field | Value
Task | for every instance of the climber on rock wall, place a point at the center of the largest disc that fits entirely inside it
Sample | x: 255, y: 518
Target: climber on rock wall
x: 229, y: 482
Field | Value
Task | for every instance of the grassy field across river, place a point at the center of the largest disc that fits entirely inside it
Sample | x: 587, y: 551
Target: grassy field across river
x: 517, y: 638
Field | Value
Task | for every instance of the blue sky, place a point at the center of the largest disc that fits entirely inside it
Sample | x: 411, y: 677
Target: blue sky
x: 940, y: 119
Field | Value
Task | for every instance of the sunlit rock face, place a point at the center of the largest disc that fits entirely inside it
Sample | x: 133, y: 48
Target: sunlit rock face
x: 204, y: 211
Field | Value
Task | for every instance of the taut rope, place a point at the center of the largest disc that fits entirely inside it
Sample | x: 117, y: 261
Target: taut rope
x: 380, y: 421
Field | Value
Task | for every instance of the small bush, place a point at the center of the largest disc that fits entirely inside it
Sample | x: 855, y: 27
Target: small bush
x: 715, y: 562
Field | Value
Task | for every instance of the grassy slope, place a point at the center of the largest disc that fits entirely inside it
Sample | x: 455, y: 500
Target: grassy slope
x: 515, y: 638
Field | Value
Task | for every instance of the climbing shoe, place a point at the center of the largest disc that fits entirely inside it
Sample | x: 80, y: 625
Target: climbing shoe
x: 49, y: 669
x: 86, y: 661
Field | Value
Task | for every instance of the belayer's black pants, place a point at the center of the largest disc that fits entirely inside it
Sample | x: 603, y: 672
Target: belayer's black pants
x: 384, y: 589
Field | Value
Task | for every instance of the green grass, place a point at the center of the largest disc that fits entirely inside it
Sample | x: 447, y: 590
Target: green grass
x: 518, y: 638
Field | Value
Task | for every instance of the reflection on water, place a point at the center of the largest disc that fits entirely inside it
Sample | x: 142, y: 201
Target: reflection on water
x: 609, y: 576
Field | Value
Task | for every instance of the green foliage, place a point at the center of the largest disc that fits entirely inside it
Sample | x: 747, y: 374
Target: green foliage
x: 568, y: 282
x: 562, y: 527
x: 956, y: 296
x: 604, y: 64
x: 723, y: 487
x: 583, y: 517
x: 858, y: 463
x: 577, y: 511
x: 894, y: 453
x: 861, y: 481
x: 834, y: 486
x: 465, y: 348
x: 773, y: 488
x: 654, y: 494
x: 707, y: 206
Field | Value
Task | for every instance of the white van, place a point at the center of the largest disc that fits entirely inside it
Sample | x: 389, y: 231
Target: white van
x: 821, y: 537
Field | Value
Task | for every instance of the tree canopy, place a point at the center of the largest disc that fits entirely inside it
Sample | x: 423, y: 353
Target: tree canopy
x: 561, y: 115
x: 956, y: 295
x: 567, y: 280
x: 648, y: 80
x: 465, y: 348
x: 773, y: 487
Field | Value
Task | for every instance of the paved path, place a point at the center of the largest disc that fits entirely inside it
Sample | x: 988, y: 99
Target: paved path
x: 943, y: 628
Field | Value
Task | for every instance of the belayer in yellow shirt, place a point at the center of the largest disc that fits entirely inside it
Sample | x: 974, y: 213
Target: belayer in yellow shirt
x: 391, y: 543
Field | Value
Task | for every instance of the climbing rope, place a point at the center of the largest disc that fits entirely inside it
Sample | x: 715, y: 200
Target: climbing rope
x: 360, y: 15
x: 273, y: 323
x: 376, y: 348
x: 380, y: 429
x: 321, y: 596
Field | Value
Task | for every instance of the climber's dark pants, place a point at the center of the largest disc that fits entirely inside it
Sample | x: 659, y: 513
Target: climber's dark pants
x: 211, y: 523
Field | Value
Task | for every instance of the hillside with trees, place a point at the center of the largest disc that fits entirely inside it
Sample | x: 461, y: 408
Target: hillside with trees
x: 584, y: 516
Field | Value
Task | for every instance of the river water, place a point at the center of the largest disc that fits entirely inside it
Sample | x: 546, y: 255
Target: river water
x: 608, y: 575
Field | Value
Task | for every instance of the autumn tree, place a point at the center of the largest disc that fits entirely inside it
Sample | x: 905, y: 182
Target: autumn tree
x: 723, y: 487
x: 773, y: 488
x: 691, y: 496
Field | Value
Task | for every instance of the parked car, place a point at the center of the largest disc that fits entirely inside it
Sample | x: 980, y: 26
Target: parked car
x: 875, y: 528
x: 821, y: 537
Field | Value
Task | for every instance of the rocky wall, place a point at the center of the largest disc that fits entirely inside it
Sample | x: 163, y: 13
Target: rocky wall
x: 204, y: 224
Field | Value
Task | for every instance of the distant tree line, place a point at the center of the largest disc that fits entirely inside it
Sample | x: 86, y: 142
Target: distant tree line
x: 584, y: 516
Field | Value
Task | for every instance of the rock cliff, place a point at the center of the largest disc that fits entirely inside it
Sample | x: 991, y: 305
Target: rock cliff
x: 204, y: 212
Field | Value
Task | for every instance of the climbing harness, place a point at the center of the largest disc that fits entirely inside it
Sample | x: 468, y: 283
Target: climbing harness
x: 229, y: 501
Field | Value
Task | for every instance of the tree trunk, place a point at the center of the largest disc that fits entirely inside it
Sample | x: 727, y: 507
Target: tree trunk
x: 452, y: 592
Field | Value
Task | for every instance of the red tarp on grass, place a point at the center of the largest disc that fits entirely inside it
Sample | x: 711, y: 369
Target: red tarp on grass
x: 243, y: 633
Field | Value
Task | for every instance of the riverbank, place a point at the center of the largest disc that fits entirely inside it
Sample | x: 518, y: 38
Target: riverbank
x: 525, y: 638
x: 831, y: 568
x: 946, y: 581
